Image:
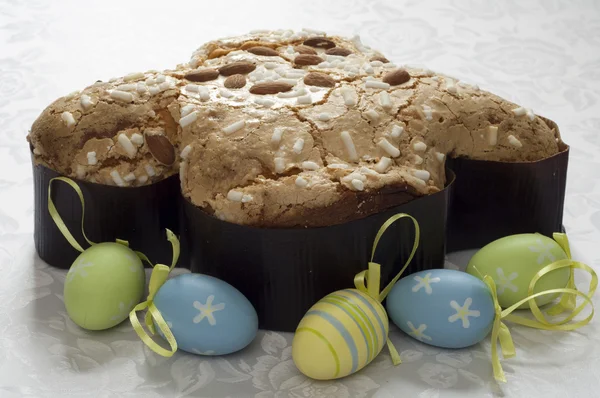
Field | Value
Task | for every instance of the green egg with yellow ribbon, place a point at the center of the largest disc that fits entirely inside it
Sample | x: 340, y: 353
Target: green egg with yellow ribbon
x: 105, y: 282
x: 514, y: 261
x: 103, y: 285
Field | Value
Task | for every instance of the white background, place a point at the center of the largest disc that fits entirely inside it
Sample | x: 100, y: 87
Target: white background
x: 541, y: 54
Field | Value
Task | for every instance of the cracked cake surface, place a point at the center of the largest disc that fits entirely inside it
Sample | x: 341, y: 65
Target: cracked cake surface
x: 285, y: 129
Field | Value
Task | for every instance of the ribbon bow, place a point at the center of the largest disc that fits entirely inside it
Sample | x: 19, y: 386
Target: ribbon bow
x: 160, y: 274
x: 368, y: 281
x: 500, y: 332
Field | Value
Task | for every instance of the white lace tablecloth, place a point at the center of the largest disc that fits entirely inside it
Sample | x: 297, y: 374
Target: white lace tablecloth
x: 544, y: 54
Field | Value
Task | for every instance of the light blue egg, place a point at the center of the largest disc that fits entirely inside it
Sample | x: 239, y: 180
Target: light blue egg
x: 443, y: 308
x: 206, y: 315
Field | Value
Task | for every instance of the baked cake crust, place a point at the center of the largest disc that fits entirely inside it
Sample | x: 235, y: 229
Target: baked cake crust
x: 284, y: 129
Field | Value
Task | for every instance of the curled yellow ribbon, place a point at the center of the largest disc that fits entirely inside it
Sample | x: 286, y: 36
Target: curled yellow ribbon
x: 567, y: 301
x: 500, y: 332
x: 63, y: 228
x: 58, y: 219
x: 159, y: 276
x: 368, y: 281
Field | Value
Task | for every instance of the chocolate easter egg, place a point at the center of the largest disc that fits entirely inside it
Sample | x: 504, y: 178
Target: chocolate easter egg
x: 103, y: 285
x: 513, y: 261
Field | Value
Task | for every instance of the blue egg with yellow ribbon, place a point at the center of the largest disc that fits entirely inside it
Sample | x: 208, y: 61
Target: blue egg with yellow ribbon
x: 196, y: 313
x: 206, y: 315
x: 443, y: 308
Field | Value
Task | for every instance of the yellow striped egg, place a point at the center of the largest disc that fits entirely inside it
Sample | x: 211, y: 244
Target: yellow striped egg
x: 341, y: 334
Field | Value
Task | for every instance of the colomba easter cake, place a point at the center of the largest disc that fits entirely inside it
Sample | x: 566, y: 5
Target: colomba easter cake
x: 285, y: 129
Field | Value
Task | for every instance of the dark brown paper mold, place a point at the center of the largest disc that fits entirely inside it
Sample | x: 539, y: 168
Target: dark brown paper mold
x: 283, y: 272
x: 138, y: 215
x: 491, y: 200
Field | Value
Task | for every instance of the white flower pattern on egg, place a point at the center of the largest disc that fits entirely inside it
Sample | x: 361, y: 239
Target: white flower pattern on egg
x: 463, y: 312
x: 133, y: 265
x: 418, y: 333
x: 207, y: 310
x: 199, y: 352
x: 123, y: 311
x: 544, y: 250
x: 425, y: 282
x: 505, y: 282
x: 79, y: 268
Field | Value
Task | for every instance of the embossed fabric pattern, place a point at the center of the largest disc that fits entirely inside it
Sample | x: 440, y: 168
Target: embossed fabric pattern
x: 541, y: 54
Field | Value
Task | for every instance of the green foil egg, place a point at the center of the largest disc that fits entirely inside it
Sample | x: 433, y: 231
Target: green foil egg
x: 103, y: 285
x: 514, y: 260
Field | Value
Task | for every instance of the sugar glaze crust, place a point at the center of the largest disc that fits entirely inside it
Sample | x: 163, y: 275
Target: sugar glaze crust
x: 284, y: 129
